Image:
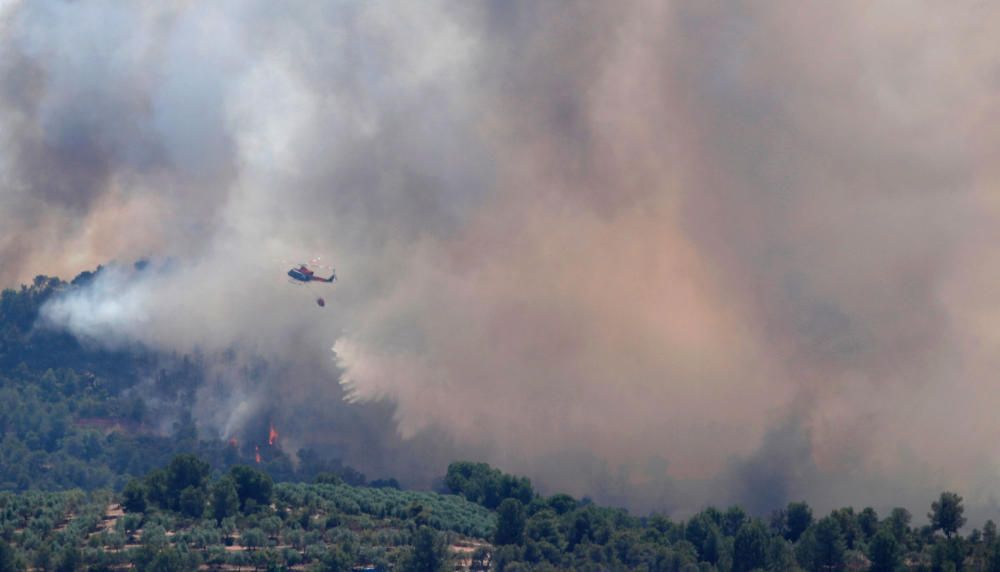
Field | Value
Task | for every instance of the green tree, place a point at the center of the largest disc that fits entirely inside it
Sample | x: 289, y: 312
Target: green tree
x: 561, y: 503
x: 154, y: 537
x: 948, y: 553
x: 510, y: 522
x: 253, y: 539
x: 228, y: 529
x: 335, y: 560
x: 192, y: 502
x: 711, y: 550
x: 543, y: 526
x: 69, y: 560
x: 732, y: 520
x: 130, y: 524
x: 252, y: 485
x: 134, y: 496
x: 225, y: 499
x: 702, y: 531
x: 884, y: 552
x: 989, y: 533
x: 8, y: 558
x: 487, y: 486
x: 781, y: 555
x: 43, y: 558
x: 506, y: 557
x: 514, y: 487
x: 429, y: 553
x: 478, y: 482
x: 157, y: 488
x: 186, y: 471
x: 328, y: 479
x: 993, y: 558
x: 798, y: 517
x: 899, y: 524
x: 830, y: 546
x: 271, y: 526
x: 168, y: 560
x: 418, y: 512
x: 868, y: 522
x: 946, y: 514
x: 850, y: 531
x: 750, y: 547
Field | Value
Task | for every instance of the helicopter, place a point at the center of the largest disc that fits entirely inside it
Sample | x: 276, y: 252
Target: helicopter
x: 306, y: 273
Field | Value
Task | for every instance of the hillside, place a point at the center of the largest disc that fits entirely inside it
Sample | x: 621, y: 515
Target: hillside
x: 185, y: 516
x: 304, y: 525
x: 75, y: 416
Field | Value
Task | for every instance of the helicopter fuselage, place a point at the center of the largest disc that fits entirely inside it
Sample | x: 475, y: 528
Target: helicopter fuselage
x: 301, y: 274
x: 304, y: 274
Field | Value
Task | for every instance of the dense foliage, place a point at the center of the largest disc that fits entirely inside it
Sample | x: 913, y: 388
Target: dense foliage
x: 480, y: 483
x: 184, y: 526
x: 77, y: 416
x: 267, y: 526
x: 550, y: 534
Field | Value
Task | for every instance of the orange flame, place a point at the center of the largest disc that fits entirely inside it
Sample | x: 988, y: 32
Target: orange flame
x: 256, y: 453
x: 233, y: 442
x: 272, y: 436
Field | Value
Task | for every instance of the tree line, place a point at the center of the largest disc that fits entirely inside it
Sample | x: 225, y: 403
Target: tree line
x: 76, y: 416
x: 187, y: 515
x: 560, y: 533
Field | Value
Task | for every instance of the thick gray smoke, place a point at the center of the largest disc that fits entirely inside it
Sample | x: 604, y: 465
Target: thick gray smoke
x: 661, y: 254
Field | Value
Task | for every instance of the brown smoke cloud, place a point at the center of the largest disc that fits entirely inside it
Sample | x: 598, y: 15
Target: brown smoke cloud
x: 662, y: 254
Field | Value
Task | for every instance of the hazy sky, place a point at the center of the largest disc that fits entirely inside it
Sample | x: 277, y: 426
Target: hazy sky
x: 658, y: 253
